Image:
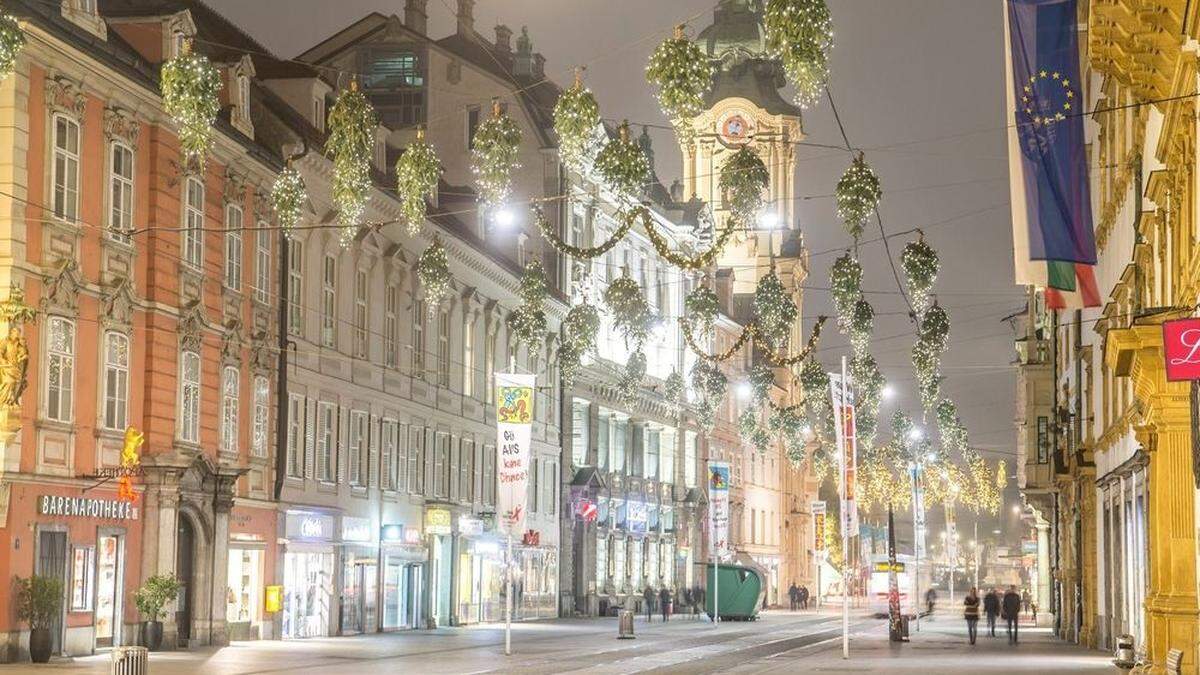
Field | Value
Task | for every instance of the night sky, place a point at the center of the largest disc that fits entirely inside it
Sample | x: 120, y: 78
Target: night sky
x: 919, y: 85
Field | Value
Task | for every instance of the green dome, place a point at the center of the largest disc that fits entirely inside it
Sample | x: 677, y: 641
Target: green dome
x: 736, y: 28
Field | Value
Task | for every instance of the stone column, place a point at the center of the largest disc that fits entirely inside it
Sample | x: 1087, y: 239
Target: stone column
x: 1164, y: 431
x: 1042, y: 597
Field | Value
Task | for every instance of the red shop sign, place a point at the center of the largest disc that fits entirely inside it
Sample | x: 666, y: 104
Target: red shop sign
x: 1181, y: 349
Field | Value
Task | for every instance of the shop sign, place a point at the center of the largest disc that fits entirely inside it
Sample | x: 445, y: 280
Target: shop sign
x: 1181, y: 348
x: 272, y: 599
x: 818, y: 511
x: 637, y: 516
x: 392, y: 533
x: 587, y: 510
x: 437, y: 521
x: 532, y: 538
x: 1029, y: 546
x: 85, y: 507
x: 470, y: 527
x: 300, y: 525
x: 356, y: 529
x: 412, y: 535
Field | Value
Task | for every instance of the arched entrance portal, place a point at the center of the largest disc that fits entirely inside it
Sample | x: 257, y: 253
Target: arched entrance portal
x: 185, y: 550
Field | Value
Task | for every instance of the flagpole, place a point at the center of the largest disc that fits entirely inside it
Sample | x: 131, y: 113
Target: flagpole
x: 845, y: 524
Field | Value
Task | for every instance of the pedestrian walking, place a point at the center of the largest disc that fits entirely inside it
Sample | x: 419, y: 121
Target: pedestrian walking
x: 804, y: 597
x: 689, y: 601
x: 701, y: 595
x: 664, y: 603
x: 794, y: 596
x: 991, y: 607
x: 648, y: 597
x: 930, y: 598
x: 971, y: 613
x: 1010, y: 606
x: 1025, y: 599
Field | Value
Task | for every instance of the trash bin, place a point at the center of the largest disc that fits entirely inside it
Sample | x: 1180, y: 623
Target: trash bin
x: 1124, y: 657
x: 904, y: 627
x: 625, y: 625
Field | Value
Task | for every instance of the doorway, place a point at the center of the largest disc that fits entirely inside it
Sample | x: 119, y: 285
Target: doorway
x: 52, y: 563
x: 108, y: 590
x: 185, y: 549
x: 359, y: 597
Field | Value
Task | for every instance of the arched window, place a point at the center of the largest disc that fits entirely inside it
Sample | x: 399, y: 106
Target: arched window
x: 230, y: 386
x: 120, y: 192
x: 189, y: 397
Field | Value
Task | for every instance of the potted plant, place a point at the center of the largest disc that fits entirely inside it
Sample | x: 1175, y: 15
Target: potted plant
x: 39, y: 603
x: 157, y: 591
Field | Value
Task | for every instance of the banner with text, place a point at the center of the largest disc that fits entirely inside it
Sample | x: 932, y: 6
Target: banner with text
x: 843, y: 415
x: 914, y: 473
x: 514, y: 426
x: 818, y: 512
x: 718, y: 506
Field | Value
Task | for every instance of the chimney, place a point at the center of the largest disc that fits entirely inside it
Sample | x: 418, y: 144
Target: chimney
x: 415, y: 16
x: 466, y: 17
x: 503, y: 39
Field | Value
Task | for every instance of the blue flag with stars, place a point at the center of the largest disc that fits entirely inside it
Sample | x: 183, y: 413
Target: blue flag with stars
x: 1044, y: 45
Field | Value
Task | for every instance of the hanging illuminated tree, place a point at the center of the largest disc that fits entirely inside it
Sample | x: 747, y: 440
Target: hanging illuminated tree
x: 683, y: 74
x: 920, y: 263
x: 631, y: 377
x: 743, y: 180
x: 191, y: 88
x: 417, y: 172
x: 433, y: 271
x: 622, y: 165
x: 702, y: 307
x: 351, y: 142
x: 710, y: 385
x: 932, y: 336
x: 12, y: 41
x: 950, y: 428
x: 845, y: 284
x: 862, y: 323
x: 497, y: 145
x: 673, y: 390
x: 774, y: 311
x: 858, y: 194
x: 629, y: 310
x: 527, y: 323
x: 800, y: 34
x: 576, y: 116
x: 288, y: 196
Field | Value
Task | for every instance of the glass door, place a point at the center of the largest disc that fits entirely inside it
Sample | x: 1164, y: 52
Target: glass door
x: 108, y: 590
x: 395, y: 595
x: 52, y: 562
x: 369, y: 583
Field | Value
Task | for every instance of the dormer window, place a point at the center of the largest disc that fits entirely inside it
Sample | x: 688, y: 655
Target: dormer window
x: 86, y: 6
x: 84, y: 13
x: 240, y: 74
x: 243, y: 103
x: 318, y: 116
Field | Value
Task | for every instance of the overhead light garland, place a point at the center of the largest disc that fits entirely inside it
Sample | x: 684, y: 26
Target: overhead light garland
x: 743, y: 180
x: 631, y: 377
x: 761, y: 380
x: 527, y: 323
x: 951, y: 430
x: 12, y: 41
x: 789, y: 422
x: 191, y: 88
x: 433, y: 271
x: 800, y: 34
x: 683, y: 74
x: 814, y: 383
x: 627, y: 218
x: 629, y: 310
x: 417, y: 173
x: 288, y: 196
x: 697, y: 262
x: 622, y: 165
x: 774, y: 311
x: 868, y: 386
x: 570, y: 363
x: 497, y: 145
x: 351, y: 142
x: 920, y: 264
x: 576, y: 116
x: 858, y: 194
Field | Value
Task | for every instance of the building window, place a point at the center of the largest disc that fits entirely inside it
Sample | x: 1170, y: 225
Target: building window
x: 329, y: 302
x: 399, y: 69
x: 319, y: 113
x: 391, y: 326
x: 116, y: 380
x: 243, y: 88
x: 387, y: 455
x: 489, y: 475
x: 120, y: 180
x: 230, y: 390
x: 580, y: 412
x: 650, y: 455
x: 472, y: 125
x: 689, y: 459
x: 262, y: 263
x: 441, y: 466
x: 233, y: 247
x: 418, y: 339
x: 189, y: 397
x: 416, y: 461
x: 295, y: 437
x: 66, y: 168
x: 468, y: 358
x: 295, y: 287
x: 325, y: 442
x: 666, y: 456
x: 360, y: 314
x: 60, y: 369
x: 443, y: 348
x: 489, y: 368
x: 358, y: 441
x: 258, y: 439
x: 466, y: 472
x: 193, y: 223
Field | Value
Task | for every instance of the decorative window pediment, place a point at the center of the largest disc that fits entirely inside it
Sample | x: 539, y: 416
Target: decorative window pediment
x: 235, y: 187
x: 262, y: 352
x: 121, y: 125
x: 231, y: 342
x: 191, y: 327
x: 66, y: 96
x: 63, y: 289
x: 118, y: 304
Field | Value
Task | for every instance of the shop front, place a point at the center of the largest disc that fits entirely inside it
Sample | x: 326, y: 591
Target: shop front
x: 251, y: 565
x: 360, y: 577
x: 308, y: 574
x: 403, y: 557
x: 439, y: 535
x: 535, y: 590
x: 480, y: 572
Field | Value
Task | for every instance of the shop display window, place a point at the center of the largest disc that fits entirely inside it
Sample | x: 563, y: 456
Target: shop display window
x: 82, y: 577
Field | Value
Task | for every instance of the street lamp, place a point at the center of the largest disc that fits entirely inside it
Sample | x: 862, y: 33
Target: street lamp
x: 888, y: 392
x: 504, y: 217
x: 744, y: 391
x: 768, y: 219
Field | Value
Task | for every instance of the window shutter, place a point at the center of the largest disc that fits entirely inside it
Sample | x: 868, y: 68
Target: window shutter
x: 452, y: 474
x: 427, y: 460
x: 373, y: 431
x: 341, y: 440
x: 310, y: 436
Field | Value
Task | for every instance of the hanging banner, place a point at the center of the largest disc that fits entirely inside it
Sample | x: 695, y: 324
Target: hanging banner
x: 918, y: 512
x: 1181, y: 349
x: 718, y: 506
x: 514, y: 426
x: 818, y: 512
x: 844, y: 424
x: 951, y: 536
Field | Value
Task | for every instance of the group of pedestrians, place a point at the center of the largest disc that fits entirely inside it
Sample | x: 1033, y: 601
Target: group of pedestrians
x: 1007, y: 606
x: 798, y: 596
x: 665, y: 600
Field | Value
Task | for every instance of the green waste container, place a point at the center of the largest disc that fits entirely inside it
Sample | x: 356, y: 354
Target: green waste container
x: 740, y: 590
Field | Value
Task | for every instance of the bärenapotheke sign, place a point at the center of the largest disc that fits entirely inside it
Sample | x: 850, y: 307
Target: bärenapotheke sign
x: 85, y: 507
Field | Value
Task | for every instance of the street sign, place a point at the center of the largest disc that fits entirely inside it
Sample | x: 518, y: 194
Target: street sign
x: 1181, y: 349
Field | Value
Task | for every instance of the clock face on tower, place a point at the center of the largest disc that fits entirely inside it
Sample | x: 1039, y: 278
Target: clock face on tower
x: 735, y: 129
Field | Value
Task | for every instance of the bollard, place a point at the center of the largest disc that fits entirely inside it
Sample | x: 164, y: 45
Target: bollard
x: 130, y: 661
x: 625, y: 625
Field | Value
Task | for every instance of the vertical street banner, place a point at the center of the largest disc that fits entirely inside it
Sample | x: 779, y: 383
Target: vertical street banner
x: 514, y: 427
x: 914, y: 473
x: 951, y: 536
x: 818, y: 513
x: 718, y: 506
x: 845, y: 427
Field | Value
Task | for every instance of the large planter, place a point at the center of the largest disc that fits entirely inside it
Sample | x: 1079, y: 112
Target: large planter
x: 40, y: 645
x: 152, y: 635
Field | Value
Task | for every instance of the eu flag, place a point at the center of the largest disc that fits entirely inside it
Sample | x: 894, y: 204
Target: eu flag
x: 1047, y: 93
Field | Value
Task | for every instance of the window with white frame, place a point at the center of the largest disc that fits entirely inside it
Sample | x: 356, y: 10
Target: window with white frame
x: 468, y: 358
x: 466, y: 472
x: 60, y: 369
x: 489, y: 475
x: 666, y: 455
x: 233, y: 247
x: 358, y: 447
x: 262, y: 415
x: 243, y: 88
x: 580, y: 417
x: 295, y: 287
x: 489, y: 367
x: 689, y: 459
x: 116, y: 380
x: 193, y: 222
x: 120, y: 192
x: 650, y: 452
x: 443, y: 348
x: 391, y: 326
x: 262, y: 263
x: 329, y: 302
x: 387, y: 455
x: 189, y: 397
x: 230, y: 393
x: 416, y: 460
x: 295, y: 436
x: 360, y: 314
x: 326, y: 421
x: 66, y: 168
x: 418, y: 339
